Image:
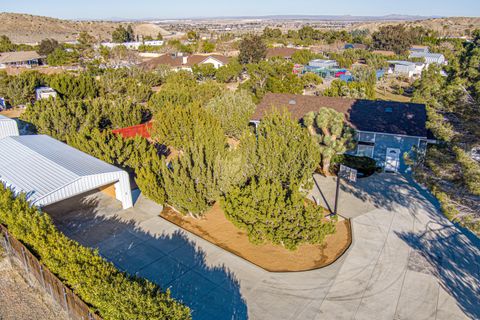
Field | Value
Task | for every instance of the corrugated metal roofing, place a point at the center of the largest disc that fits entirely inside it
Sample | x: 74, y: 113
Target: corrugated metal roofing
x: 39, y: 165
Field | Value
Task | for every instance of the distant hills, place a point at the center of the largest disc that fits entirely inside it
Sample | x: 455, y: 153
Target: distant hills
x: 25, y: 28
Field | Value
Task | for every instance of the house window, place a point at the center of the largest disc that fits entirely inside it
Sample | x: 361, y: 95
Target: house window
x: 365, y: 150
x: 366, y: 137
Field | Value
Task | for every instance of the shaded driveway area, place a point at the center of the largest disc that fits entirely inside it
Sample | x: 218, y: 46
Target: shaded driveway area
x: 406, y: 262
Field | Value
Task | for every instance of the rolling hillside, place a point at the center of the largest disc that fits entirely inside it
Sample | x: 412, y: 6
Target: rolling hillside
x: 24, y: 28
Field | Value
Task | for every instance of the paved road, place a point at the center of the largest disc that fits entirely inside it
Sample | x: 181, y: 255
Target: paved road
x: 406, y: 262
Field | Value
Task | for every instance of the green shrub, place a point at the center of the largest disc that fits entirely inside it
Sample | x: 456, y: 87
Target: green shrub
x: 365, y: 165
x: 111, y: 293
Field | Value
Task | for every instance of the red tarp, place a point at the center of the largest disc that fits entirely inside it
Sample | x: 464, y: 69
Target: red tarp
x: 138, y: 130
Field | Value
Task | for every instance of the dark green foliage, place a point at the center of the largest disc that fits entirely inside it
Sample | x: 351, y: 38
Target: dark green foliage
x: 354, y: 89
x: 204, y: 71
x: 270, y: 205
x: 74, y: 87
x: 365, y: 165
x: 121, y: 35
x: 6, y: 45
x: 149, y: 178
x: 230, y: 72
x: 273, y: 33
x: 60, y: 57
x: 113, y: 294
x: 47, y: 46
x: 274, y: 75
x: 178, y: 126
x: 395, y: 38
x: 233, y: 110
x: 181, y: 89
x: 270, y: 212
x: 252, y: 49
x: 305, y: 56
x: 60, y: 119
x: 470, y: 171
x: 20, y: 89
x: 285, y: 151
x: 131, y: 154
x: 192, y: 181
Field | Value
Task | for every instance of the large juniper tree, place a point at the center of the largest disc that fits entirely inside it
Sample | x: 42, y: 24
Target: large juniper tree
x: 271, y: 205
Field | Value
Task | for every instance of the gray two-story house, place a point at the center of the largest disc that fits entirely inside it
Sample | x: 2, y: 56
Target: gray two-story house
x: 385, y: 130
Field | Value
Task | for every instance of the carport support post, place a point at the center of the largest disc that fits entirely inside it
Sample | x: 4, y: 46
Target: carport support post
x: 336, y: 194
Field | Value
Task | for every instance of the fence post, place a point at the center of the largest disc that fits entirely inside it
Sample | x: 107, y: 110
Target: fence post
x: 24, y: 259
x: 43, y: 276
x: 65, y: 299
x: 7, y: 240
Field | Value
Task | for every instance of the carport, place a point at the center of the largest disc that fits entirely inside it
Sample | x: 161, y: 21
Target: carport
x: 49, y: 171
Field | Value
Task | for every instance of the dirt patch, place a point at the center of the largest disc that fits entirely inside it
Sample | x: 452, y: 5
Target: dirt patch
x: 217, y: 229
x: 21, y: 300
x: 13, y: 112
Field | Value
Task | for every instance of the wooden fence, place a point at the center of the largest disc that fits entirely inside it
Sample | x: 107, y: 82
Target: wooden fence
x: 76, y: 308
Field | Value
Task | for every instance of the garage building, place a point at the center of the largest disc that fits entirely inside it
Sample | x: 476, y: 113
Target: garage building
x: 49, y: 171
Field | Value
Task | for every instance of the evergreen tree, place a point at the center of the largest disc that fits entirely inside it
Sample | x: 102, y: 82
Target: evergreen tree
x: 270, y: 205
x: 252, y: 49
x: 233, y: 110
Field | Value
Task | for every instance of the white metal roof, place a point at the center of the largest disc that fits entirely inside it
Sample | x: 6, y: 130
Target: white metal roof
x: 39, y: 165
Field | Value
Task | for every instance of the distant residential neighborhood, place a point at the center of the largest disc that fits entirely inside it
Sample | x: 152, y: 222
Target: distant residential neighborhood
x: 240, y: 168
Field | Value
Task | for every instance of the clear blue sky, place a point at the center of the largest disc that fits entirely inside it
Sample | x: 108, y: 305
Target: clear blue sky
x: 98, y: 9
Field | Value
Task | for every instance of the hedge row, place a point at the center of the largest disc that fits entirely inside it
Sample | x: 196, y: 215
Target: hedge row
x: 111, y: 293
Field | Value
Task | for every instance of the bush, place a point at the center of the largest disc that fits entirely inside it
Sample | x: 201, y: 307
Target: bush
x: 365, y: 165
x: 112, y: 293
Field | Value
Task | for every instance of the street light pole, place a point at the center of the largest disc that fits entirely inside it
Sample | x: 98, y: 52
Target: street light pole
x: 336, y: 194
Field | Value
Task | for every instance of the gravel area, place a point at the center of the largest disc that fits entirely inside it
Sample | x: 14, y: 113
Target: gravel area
x: 21, y: 298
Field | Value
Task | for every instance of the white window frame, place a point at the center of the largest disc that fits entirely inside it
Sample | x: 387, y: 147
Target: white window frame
x: 366, y: 147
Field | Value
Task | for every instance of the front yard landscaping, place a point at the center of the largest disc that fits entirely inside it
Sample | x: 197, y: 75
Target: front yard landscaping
x: 217, y: 229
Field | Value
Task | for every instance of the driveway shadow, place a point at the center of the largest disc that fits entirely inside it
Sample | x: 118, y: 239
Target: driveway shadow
x: 168, y: 257
x: 454, y: 257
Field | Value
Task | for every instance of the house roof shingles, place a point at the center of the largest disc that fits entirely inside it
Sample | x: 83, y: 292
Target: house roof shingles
x: 364, y: 115
x: 18, y: 56
x: 283, y: 52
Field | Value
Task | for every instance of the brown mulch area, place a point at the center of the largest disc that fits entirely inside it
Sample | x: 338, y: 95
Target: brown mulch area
x: 217, y: 229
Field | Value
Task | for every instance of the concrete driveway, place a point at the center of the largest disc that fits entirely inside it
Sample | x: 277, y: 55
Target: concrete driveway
x: 407, y: 261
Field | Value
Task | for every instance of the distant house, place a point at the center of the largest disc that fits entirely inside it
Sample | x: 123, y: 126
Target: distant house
x: 385, y: 130
x: 384, y: 53
x: 359, y: 46
x: 424, y: 49
x: 322, y: 63
x: 3, y: 104
x: 406, y: 68
x: 45, y: 93
x: 19, y: 59
x: 134, y: 45
x: 436, y: 58
x: 186, y: 62
x: 282, y: 52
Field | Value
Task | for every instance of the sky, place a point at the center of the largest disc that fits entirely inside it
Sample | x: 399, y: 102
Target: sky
x: 161, y: 9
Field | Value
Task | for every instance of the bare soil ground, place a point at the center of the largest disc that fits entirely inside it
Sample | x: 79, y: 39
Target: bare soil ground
x: 21, y: 300
x: 12, y: 112
x: 217, y: 229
